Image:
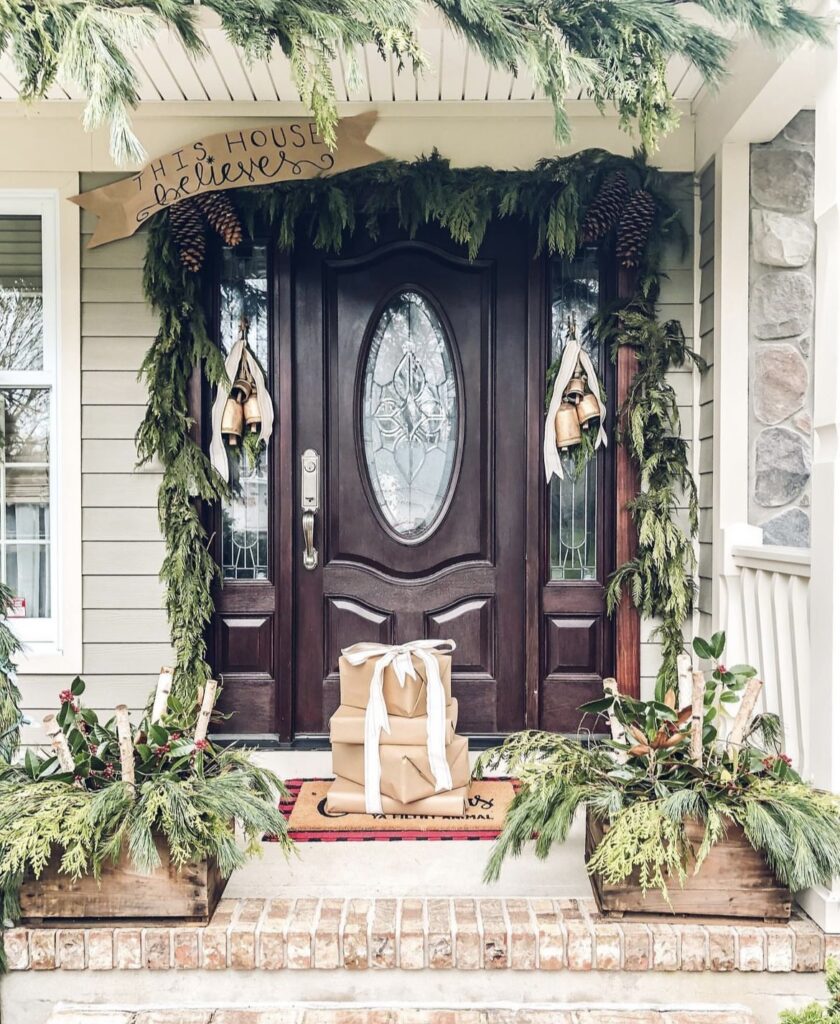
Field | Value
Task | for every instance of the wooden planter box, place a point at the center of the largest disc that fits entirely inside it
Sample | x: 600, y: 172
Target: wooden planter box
x: 123, y: 892
x: 734, y: 881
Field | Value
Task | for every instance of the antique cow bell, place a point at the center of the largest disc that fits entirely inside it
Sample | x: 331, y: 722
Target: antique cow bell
x: 242, y: 388
x: 232, y: 421
x: 251, y: 411
x: 576, y: 388
x: 588, y: 410
x: 566, y: 427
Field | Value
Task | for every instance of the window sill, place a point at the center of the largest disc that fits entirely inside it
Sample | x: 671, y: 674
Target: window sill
x: 47, y: 658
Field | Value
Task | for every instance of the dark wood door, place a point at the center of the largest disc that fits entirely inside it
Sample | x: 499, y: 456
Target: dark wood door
x: 410, y: 377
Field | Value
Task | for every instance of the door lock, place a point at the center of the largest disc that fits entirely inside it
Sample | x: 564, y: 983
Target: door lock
x: 310, y: 481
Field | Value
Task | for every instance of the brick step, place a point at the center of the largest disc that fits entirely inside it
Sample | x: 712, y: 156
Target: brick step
x: 520, y: 934
x: 73, y: 1014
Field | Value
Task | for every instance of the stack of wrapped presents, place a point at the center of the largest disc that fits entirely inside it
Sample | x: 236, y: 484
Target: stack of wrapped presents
x: 393, y: 699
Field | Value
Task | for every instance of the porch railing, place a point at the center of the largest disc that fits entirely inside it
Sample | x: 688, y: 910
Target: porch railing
x: 767, y: 623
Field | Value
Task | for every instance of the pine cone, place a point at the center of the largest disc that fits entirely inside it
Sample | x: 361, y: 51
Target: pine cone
x: 634, y: 228
x: 606, y: 208
x: 219, y: 210
x: 187, y: 223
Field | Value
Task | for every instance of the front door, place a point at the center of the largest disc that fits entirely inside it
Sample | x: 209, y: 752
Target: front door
x: 410, y: 377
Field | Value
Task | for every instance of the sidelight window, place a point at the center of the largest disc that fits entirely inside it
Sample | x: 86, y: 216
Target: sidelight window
x: 244, y: 307
x: 410, y: 415
x: 573, y: 506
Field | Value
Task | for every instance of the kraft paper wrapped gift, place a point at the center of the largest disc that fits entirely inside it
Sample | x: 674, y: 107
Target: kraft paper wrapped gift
x: 345, y: 797
x: 407, y: 701
x: 347, y: 725
x: 406, y: 774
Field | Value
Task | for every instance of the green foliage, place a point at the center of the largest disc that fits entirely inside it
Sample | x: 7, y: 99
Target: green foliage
x: 816, y: 1013
x: 616, y: 52
x: 644, y: 784
x: 10, y: 714
x: 186, y: 791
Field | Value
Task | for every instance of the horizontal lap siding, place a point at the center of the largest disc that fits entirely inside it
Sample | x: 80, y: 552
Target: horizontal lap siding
x: 125, y: 634
x: 676, y: 303
x: 706, y: 425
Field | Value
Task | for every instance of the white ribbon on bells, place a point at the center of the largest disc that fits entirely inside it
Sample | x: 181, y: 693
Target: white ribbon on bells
x: 239, y: 354
x: 573, y: 352
x: 376, y: 713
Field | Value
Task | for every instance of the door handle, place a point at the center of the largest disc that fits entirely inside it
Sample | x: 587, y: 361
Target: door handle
x: 309, y: 504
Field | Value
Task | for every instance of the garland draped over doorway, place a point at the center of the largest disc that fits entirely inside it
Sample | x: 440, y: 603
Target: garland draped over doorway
x: 567, y: 200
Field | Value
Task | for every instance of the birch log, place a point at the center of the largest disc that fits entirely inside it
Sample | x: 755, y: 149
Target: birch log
x: 683, y: 680
x: 698, y: 691
x: 58, y: 741
x: 126, y: 746
x: 744, y: 716
x: 164, y: 687
x: 207, y: 702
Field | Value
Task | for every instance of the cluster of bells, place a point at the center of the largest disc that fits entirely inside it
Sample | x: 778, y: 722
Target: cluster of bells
x: 242, y: 409
x: 580, y: 408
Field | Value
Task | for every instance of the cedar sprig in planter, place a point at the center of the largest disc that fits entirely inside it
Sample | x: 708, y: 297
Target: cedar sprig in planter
x: 691, y: 805
x: 130, y: 820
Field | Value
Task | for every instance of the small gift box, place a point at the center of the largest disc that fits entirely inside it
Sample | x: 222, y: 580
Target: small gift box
x: 406, y: 699
x: 347, y: 725
x: 345, y: 797
x: 406, y: 773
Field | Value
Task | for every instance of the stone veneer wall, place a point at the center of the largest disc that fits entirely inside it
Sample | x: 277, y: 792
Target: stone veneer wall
x: 782, y: 278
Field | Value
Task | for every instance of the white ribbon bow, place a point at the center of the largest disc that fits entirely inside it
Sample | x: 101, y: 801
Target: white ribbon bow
x: 240, y: 353
x: 573, y: 352
x: 376, y: 713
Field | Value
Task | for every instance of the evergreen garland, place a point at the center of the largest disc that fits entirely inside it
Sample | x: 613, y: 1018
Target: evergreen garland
x: 553, y: 198
x: 10, y: 714
x: 617, y: 53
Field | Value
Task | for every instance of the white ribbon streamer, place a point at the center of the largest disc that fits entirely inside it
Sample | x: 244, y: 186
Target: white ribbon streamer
x: 573, y: 352
x: 376, y: 714
x: 239, y: 354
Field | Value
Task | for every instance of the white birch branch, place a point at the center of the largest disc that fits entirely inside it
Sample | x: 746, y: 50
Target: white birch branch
x: 58, y: 741
x: 207, y: 702
x: 683, y: 680
x: 744, y: 716
x: 164, y: 687
x: 698, y: 690
x: 126, y: 746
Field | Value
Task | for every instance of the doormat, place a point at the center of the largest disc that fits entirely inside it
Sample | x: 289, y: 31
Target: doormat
x: 309, y: 822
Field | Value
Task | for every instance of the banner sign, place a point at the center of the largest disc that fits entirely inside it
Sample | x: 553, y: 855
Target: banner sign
x: 289, y: 149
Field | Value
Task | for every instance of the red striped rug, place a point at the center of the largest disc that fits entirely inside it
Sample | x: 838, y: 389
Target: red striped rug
x: 487, y: 803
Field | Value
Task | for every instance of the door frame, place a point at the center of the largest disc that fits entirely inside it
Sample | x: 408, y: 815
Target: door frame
x: 283, y: 487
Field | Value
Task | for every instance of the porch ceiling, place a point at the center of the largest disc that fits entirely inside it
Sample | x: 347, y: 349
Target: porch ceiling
x: 167, y: 73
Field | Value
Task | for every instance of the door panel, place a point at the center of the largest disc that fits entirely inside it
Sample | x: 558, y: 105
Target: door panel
x: 402, y: 555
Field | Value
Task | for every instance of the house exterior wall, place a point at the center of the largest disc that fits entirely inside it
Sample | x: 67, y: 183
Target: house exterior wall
x: 705, y: 432
x: 782, y: 281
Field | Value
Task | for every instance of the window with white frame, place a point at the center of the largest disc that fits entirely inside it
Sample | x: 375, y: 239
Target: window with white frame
x: 28, y: 331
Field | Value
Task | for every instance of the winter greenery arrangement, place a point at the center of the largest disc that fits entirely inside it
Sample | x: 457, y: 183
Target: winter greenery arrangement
x: 617, y: 52
x: 111, y: 787
x: 817, y: 1013
x: 10, y: 714
x: 662, y: 766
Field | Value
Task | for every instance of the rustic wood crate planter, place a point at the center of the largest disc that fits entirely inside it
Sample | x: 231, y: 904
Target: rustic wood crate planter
x: 734, y: 881
x: 123, y: 892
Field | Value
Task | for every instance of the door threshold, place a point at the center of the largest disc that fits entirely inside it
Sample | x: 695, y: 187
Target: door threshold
x: 267, y: 741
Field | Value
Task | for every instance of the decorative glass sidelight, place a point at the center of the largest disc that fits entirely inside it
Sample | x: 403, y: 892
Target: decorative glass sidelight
x: 410, y: 415
x: 244, y: 297
x: 573, y: 503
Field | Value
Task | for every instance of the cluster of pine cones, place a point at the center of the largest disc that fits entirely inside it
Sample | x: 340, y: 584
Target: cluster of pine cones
x: 633, y: 212
x: 190, y: 218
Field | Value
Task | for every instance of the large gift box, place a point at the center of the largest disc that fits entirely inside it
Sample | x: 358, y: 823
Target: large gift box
x: 407, y: 700
x: 347, y: 725
x: 406, y: 773
x: 345, y: 797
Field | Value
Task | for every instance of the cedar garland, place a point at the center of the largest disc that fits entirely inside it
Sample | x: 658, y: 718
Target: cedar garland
x: 553, y: 198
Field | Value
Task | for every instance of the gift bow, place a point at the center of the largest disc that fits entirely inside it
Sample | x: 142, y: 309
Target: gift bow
x: 573, y: 352
x: 399, y: 656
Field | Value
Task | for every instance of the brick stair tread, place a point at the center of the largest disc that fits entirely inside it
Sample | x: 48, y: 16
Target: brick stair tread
x: 462, y: 934
x: 76, y: 1014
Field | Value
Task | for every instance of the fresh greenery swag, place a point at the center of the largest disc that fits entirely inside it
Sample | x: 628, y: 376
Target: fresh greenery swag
x: 188, y: 791
x: 553, y: 198
x: 817, y: 1013
x: 10, y: 714
x: 644, y: 784
x: 617, y: 52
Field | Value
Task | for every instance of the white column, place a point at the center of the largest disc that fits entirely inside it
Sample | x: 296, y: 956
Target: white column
x: 824, y: 726
x: 731, y: 366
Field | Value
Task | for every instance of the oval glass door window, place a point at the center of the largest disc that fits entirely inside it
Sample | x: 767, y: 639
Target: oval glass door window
x: 410, y: 415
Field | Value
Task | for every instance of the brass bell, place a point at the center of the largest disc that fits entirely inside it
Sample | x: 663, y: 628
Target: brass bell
x: 588, y: 410
x: 232, y: 421
x: 576, y: 388
x: 251, y: 410
x: 241, y: 389
x: 566, y: 427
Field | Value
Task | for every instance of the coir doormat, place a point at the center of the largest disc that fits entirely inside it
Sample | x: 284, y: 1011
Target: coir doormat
x: 309, y: 821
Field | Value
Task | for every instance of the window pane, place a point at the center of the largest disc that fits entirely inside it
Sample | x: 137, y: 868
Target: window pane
x: 573, y: 503
x: 28, y: 575
x: 28, y: 503
x: 21, y: 307
x: 25, y: 424
x: 244, y: 293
